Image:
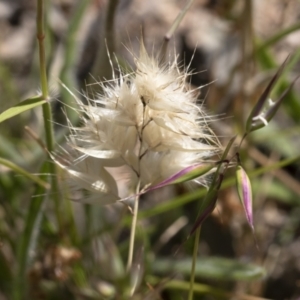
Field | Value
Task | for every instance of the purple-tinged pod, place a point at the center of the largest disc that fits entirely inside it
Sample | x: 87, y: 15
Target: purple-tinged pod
x: 184, y: 175
x: 245, y: 193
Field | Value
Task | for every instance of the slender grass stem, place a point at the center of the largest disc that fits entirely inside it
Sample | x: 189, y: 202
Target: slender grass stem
x: 133, y: 229
x: 41, y: 38
x: 47, y: 114
x: 195, y: 254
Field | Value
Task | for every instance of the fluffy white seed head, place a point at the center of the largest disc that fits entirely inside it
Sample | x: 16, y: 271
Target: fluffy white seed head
x: 145, y: 127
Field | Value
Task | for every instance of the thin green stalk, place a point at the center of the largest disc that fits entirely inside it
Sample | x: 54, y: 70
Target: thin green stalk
x: 42, y: 56
x: 47, y: 114
x: 133, y: 228
x: 136, y: 201
x: 69, y: 215
x: 195, y: 255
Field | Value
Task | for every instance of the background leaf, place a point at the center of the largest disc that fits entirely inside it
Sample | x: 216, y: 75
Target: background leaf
x: 211, y: 267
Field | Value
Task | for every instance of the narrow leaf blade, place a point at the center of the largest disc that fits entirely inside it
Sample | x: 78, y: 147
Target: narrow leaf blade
x: 23, y: 172
x: 21, y: 107
x: 217, y: 268
x: 28, y: 239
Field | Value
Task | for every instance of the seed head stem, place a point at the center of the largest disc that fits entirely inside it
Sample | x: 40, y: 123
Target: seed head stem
x: 136, y: 202
x: 133, y: 229
x: 195, y: 254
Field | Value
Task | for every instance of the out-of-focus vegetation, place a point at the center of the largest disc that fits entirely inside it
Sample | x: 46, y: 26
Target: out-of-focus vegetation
x: 55, y: 248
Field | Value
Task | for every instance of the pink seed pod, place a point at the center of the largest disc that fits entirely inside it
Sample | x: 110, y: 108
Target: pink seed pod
x: 244, y: 192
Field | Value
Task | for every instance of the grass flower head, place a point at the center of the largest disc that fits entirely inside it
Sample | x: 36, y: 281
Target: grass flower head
x: 144, y: 127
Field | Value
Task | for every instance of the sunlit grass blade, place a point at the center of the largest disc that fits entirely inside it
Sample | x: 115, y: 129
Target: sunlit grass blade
x: 21, y: 107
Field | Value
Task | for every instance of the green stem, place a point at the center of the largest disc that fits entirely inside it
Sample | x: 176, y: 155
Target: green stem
x: 47, y: 114
x: 42, y: 56
x: 136, y: 202
x: 133, y: 228
x: 195, y: 255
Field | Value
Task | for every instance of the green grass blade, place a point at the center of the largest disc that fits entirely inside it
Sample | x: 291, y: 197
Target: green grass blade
x: 23, y: 172
x: 25, y: 105
x: 5, y: 274
x: 29, y: 237
x: 278, y: 36
x: 211, y: 267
